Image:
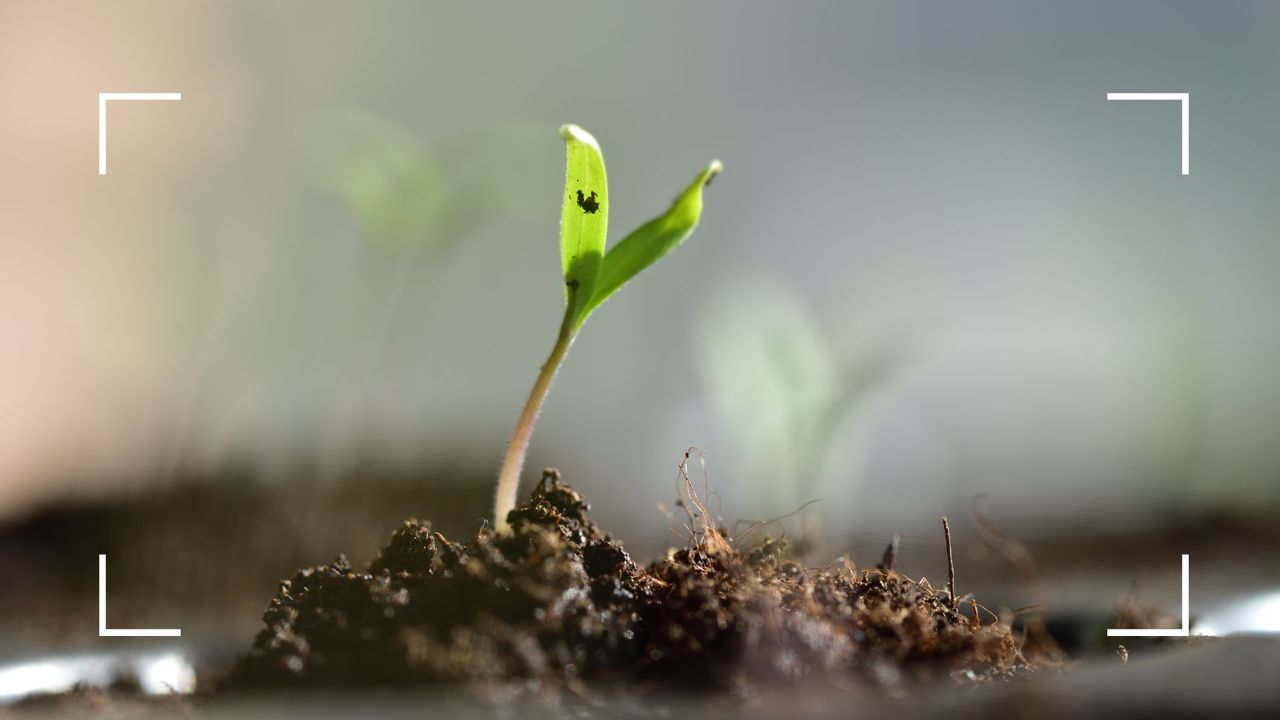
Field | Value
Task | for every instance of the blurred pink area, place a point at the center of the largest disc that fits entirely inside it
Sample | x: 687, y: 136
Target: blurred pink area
x: 79, y: 309
x: 113, y: 288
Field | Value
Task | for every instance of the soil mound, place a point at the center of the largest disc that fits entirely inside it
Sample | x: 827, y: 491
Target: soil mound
x: 559, y: 605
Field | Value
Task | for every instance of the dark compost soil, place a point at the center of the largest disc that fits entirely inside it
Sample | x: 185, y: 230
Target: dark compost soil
x: 559, y: 605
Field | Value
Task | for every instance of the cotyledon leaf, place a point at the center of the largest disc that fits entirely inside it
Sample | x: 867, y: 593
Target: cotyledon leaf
x: 649, y: 242
x: 584, y: 219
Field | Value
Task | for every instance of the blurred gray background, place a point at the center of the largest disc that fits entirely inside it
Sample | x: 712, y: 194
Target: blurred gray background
x: 939, y: 262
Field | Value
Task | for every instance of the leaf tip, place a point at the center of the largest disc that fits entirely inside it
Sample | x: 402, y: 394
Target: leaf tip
x: 713, y: 170
x: 571, y: 132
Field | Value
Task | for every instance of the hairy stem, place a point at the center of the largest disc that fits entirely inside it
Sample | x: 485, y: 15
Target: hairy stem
x: 509, y: 478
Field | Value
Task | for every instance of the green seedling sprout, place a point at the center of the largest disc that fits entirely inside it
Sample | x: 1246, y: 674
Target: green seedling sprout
x: 591, y: 275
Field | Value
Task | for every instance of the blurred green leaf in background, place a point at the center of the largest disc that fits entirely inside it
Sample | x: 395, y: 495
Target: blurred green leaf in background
x: 777, y: 385
x: 414, y: 203
x: 382, y: 173
x: 408, y: 196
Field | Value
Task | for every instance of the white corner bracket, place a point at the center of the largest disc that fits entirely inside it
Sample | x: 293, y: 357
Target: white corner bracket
x: 103, y: 99
x: 1185, y: 630
x: 1185, y: 100
x: 103, y: 630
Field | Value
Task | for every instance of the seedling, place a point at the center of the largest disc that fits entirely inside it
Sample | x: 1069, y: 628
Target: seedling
x: 591, y: 275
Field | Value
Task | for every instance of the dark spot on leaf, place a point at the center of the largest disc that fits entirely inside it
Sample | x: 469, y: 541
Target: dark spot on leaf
x: 573, y: 284
x: 588, y: 203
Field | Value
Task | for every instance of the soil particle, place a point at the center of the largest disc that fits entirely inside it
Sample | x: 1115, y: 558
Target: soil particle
x: 559, y: 605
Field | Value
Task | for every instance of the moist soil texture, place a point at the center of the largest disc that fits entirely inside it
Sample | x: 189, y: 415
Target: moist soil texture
x: 558, y: 608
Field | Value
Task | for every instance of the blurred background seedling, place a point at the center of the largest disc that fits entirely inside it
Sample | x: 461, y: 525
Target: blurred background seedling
x: 413, y: 204
x: 782, y: 388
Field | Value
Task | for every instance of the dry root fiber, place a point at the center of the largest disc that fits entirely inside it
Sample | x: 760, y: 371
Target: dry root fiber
x: 560, y: 605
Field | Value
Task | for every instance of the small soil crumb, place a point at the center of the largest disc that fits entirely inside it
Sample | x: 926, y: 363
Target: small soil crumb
x: 559, y: 605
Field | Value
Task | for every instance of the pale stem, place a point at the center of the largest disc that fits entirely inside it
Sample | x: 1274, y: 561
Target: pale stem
x: 509, y: 479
